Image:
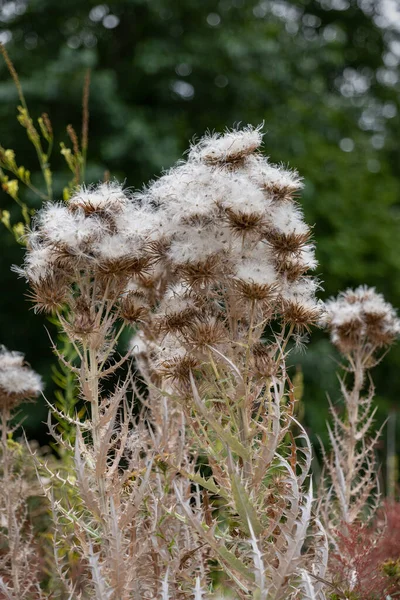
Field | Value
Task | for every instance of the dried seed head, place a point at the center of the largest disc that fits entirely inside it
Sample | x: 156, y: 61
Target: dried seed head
x: 202, y: 274
x: 264, y: 360
x: 294, y: 266
x: 361, y: 317
x: 256, y: 292
x: 178, y: 368
x: 83, y: 317
x: 301, y: 313
x: 241, y: 222
x: 176, y: 321
x: 125, y: 265
x: 158, y: 249
x: 134, y: 307
x: 207, y: 332
x: 18, y: 382
x: 285, y: 244
x: 50, y: 292
x: 228, y: 149
x: 103, y: 199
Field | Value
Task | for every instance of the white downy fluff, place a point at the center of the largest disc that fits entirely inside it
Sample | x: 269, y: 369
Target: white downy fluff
x: 15, y: 376
x: 226, y: 147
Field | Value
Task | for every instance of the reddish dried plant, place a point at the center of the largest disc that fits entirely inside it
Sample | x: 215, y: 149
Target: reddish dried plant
x: 366, y: 565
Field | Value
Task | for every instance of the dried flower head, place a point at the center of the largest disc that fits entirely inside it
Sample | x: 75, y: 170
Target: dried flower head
x: 361, y: 317
x: 230, y: 147
x: 227, y: 239
x: 101, y: 235
x: 18, y: 381
x: 107, y: 197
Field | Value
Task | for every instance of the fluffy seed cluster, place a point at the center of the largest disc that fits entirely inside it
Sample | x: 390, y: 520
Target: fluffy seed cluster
x: 100, y: 234
x: 234, y: 243
x: 214, y: 239
x: 361, y: 317
x: 17, y: 381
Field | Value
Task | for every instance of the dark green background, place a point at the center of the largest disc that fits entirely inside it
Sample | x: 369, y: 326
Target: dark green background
x: 316, y: 72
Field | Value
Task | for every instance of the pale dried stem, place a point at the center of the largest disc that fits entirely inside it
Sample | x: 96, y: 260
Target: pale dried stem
x: 12, y: 528
x: 352, y: 406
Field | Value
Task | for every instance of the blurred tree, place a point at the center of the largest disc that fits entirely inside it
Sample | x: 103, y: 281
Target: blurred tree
x: 322, y: 74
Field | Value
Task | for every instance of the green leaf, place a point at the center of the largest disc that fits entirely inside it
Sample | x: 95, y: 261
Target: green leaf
x: 244, y: 507
x: 235, y: 563
x: 233, y: 443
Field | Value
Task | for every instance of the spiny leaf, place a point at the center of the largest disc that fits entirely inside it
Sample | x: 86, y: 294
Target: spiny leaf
x: 244, y: 507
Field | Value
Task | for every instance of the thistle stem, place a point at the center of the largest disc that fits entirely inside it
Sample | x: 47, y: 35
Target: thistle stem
x: 12, y: 531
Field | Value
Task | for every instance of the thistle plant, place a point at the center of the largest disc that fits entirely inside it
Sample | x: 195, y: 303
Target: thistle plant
x: 210, y: 265
x: 19, y: 577
x: 236, y: 259
x: 191, y: 474
x: 361, y: 325
x: 81, y: 258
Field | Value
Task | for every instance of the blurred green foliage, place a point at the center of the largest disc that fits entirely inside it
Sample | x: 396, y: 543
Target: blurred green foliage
x: 323, y: 75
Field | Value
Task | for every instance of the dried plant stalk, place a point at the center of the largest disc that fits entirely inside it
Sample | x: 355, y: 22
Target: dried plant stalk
x: 361, y: 323
x: 207, y: 474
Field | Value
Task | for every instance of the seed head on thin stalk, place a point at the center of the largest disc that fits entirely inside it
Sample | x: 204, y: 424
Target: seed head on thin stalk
x: 19, y: 570
x: 361, y: 323
x: 361, y: 318
x: 18, y: 382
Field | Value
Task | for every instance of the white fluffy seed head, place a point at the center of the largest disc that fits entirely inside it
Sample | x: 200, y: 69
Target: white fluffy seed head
x: 168, y: 349
x: 108, y: 197
x: 176, y: 299
x: 361, y: 316
x: 138, y: 344
x: 117, y: 246
x: 17, y: 381
x: 140, y: 222
x: 277, y: 181
x: 39, y: 261
x: 232, y: 222
x: 73, y: 230
x: 304, y: 288
x: 306, y: 257
x: 241, y: 194
x: 230, y: 147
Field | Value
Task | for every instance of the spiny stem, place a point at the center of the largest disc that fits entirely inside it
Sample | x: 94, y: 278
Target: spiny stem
x: 12, y: 532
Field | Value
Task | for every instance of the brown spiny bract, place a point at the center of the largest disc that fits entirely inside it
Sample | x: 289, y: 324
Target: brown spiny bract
x: 178, y: 368
x: 124, y: 265
x: 83, y: 316
x: 286, y: 244
x: 175, y: 321
x: 242, y: 222
x: 257, y: 292
x: 134, y: 306
x: 281, y: 192
x: 207, y: 332
x: 202, y: 273
x: 300, y: 314
x: 264, y: 359
x: 49, y: 293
